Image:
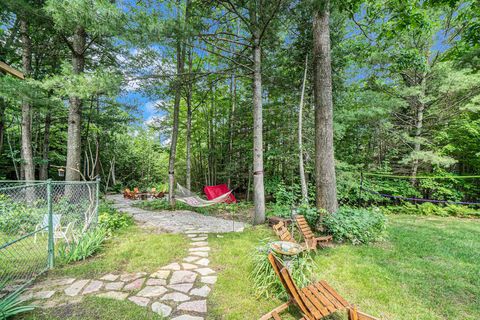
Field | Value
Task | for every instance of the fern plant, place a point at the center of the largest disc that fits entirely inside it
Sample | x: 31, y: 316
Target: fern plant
x: 11, y: 304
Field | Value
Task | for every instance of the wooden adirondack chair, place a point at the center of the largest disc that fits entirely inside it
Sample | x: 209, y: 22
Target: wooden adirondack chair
x: 282, y: 232
x: 315, y: 301
x: 311, y: 240
x: 127, y: 193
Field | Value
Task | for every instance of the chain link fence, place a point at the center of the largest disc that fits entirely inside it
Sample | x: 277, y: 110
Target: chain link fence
x: 36, y: 217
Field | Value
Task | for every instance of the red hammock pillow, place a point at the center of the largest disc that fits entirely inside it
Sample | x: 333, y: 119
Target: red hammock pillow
x: 213, y: 192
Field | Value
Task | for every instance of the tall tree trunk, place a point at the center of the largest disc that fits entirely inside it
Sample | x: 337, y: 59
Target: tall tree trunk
x: 74, y: 139
x: 258, y: 187
x: 231, y: 119
x: 419, y: 105
x: 189, y: 125
x: 176, y: 113
x: 324, y: 154
x: 27, y: 153
x: 303, y: 181
x: 43, y: 172
x: 3, y: 106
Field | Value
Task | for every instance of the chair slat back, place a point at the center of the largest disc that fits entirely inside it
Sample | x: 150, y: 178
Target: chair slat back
x: 282, y: 232
x: 56, y: 218
x: 304, y: 227
x: 289, y: 285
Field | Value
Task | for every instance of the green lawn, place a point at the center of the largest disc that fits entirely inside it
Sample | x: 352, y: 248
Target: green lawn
x: 427, y: 268
x: 132, y: 250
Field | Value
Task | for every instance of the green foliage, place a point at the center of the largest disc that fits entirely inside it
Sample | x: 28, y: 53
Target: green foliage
x: 265, y: 280
x: 355, y: 225
x: 311, y: 214
x: 17, y: 217
x: 11, y: 304
x: 430, y: 209
x: 279, y: 210
x: 87, y: 245
x: 111, y: 220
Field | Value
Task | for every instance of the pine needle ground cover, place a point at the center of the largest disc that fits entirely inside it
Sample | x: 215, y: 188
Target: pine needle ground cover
x: 426, y: 268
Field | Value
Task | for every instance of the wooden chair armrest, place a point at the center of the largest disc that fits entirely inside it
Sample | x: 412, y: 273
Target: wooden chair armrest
x: 275, y: 312
x: 324, y: 238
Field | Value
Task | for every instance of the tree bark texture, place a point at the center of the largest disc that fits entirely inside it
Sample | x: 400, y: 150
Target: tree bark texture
x: 176, y: 113
x: 3, y: 106
x: 43, y: 172
x: 258, y: 186
x: 26, y: 151
x: 74, y: 141
x: 189, y: 125
x: 326, y: 190
x: 303, y: 181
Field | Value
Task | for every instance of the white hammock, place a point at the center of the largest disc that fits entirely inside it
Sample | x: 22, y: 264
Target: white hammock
x: 186, y: 196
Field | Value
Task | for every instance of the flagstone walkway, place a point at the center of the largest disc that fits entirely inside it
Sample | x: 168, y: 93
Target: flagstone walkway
x: 177, y: 291
x: 175, y: 221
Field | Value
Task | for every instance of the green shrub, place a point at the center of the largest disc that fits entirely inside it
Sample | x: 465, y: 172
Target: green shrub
x: 86, y: 246
x: 355, y: 225
x: 265, y: 280
x: 10, y: 304
x: 279, y: 211
x: 311, y: 214
x: 111, y: 220
x: 18, y: 218
x: 430, y: 209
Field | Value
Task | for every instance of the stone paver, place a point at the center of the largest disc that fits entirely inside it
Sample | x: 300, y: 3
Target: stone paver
x: 152, y: 291
x: 172, y: 266
x: 161, y: 309
x: 187, y: 317
x: 189, y: 266
x: 205, y: 271
x: 110, y: 277
x: 93, y: 286
x: 182, y: 287
x: 199, y: 244
x: 175, y: 296
x: 156, y: 282
x: 203, y: 262
x: 127, y: 277
x: 199, y: 254
x: 209, y: 279
x: 141, y: 301
x: 201, y: 292
x: 43, y: 294
x: 190, y: 259
x: 199, y: 306
x: 134, y: 285
x: 199, y: 249
x: 113, y: 286
x: 199, y: 238
x: 161, y: 274
x: 76, y: 287
x: 180, y: 221
x: 183, y: 276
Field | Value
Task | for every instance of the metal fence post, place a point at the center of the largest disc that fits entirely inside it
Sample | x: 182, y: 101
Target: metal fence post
x: 51, y: 244
x: 98, y: 200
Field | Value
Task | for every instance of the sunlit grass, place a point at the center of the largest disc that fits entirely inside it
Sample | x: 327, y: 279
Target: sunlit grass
x: 133, y: 250
x: 94, y: 308
x: 427, y: 268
